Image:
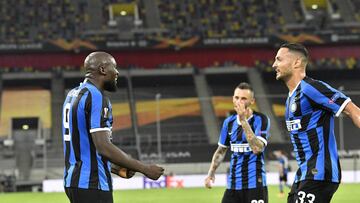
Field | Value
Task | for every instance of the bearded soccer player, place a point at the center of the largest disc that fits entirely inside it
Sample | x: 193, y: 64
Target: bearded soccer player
x: 87, y: 122
x: 246, y: 134
x: 310, y: 110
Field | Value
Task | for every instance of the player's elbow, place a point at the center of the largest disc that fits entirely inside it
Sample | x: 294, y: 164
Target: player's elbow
x: 103, y: 149
x: 257, y: 150
x: 357, y: 123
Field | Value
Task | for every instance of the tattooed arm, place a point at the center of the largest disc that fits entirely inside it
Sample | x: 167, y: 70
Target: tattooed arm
x: 256, y: 145
x: 218, y: 157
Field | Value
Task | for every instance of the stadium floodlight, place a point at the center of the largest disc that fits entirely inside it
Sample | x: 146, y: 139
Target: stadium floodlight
x: 118, y: 10
x: 314, y: 6
x: 158, y: 127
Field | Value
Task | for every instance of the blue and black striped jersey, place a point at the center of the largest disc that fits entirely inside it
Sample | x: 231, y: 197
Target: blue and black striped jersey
x: 85, y: 111
x: 247, y: 170
x: 310, y: 111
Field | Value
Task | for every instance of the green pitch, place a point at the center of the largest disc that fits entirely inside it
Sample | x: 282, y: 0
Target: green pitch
x: 345, y: 193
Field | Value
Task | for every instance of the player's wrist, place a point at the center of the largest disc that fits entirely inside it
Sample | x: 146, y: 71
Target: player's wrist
x: 211, y: 174
x: 242, y: 119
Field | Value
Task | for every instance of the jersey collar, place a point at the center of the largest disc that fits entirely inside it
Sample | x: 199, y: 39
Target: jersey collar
x: 238, y: 119
x: 291, y: 93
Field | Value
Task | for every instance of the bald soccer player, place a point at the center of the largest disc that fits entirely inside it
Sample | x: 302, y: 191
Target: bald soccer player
x: 90, y: 156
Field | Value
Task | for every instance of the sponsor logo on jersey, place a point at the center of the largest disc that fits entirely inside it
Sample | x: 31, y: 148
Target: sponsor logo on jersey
x: 240, y: 148
x: 293, y: 124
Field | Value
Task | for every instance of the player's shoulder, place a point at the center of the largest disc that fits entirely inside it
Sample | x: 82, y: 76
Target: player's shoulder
x: 93, y: 90
x: 73, y: 92
x: 309, y: 85
x: 260, y: 115
x: 230, y: 118
x: 256, y: 113
x: 308, y: 81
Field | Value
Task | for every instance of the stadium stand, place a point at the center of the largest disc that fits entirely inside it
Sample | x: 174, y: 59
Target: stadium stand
x: 55, y: 20
x: 52, y: 19
x: 192, y: 18
x: 356, y: 6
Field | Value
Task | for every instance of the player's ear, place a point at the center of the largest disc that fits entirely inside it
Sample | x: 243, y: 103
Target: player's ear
x: 253, y: 101
x: 102, y: 70
x: 298, y: 62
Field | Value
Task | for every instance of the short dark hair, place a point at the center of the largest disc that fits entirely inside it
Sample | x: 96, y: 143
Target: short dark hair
x: 297, y: 48
x: 245, y: 86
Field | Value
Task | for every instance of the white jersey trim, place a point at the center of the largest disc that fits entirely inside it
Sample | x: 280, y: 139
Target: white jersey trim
x: 99, y: 129
x: 291, y: 93
x: 238, y: 119
x: 342, y: 107
x: 262, y: 140
x: 221, y: 145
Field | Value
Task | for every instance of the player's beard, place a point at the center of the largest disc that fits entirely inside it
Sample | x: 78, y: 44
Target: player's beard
x: 110, y: 86
x: 284, y: 75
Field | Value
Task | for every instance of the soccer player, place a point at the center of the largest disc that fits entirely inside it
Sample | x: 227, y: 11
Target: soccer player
x: 246, y: 134
x: 310, y: 109
x: 87, y: 123
x: 283, y: 171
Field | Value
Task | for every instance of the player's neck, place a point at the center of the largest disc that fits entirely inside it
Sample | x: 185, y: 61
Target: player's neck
x: 294, y: 81
x: 97, y: 83
x: 249, y: 113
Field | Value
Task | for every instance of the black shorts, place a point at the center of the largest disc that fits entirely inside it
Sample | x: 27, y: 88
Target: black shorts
x: 257, y: 195
x: 78, y: 195
x: 283, y: 177
x: 310, y: 191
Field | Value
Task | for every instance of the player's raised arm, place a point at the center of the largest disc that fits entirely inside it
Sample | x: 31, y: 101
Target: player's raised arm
x: 353, y: 112
x: 218, y: 157
x: 256, y: 145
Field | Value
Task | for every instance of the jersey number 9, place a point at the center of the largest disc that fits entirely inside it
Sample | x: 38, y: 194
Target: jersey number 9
x: 66, y: 117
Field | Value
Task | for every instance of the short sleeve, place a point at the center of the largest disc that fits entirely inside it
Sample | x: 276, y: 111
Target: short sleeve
x: 262, y: 128
x: 224, y: 139
x: 97, y: 111
x: 325, y: 96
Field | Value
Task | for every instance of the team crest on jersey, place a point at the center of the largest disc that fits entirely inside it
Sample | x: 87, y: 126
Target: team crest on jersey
x: 293, y: 107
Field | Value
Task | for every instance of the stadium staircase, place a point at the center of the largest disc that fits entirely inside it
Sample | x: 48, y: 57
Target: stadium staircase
x: 286, y: 8
x: 208, y: 114
x: 346, y: 10
x: 94, y: 8
x: 152, y: 16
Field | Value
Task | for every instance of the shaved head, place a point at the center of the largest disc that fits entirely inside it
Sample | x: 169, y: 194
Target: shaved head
x: 95, y: 60
x: 298, y: 49
x: 101, y: 69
